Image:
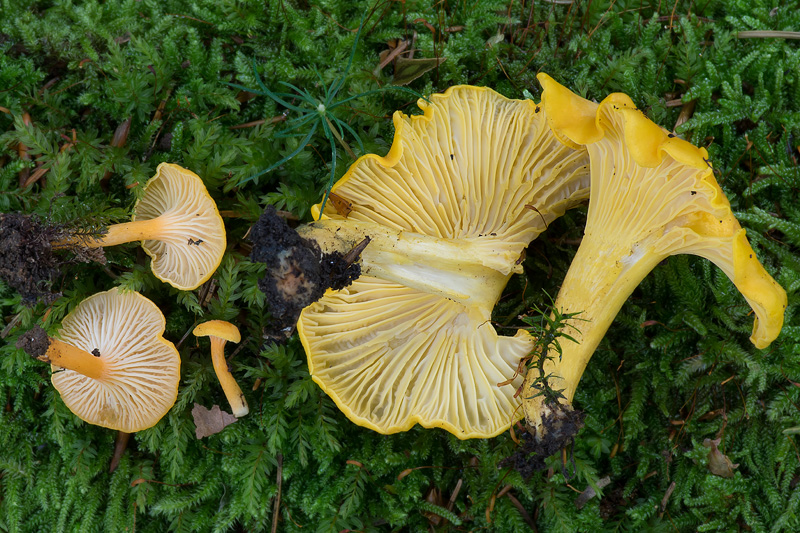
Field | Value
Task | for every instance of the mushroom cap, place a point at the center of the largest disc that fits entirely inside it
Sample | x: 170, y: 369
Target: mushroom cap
x: 218, y: 328
x: 191, y: 245
x: 391, y: 355
x: 659, y: 194
x: 143, y: 368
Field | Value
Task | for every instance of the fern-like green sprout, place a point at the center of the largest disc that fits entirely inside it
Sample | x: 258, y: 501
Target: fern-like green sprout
x: 547, y: 327
x: 316, y: 112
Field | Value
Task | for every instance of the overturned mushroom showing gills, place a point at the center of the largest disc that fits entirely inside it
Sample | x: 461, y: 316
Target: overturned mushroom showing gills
x: 179, y: 226
x: 219, y: 332
x: 111, y: 364
x: 653, y: 195
x: 447, y: 217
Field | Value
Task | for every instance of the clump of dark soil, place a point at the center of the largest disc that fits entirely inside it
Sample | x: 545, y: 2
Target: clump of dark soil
x: 27, y: 263
x: 34, y: 342
x: 560, y: 427
x: 298, y: 273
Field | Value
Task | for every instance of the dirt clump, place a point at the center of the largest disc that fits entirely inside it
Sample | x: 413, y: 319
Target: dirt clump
x: 298, y: 273
x: 27, y: 262
x: 34, y: 342
x: 560, y: 427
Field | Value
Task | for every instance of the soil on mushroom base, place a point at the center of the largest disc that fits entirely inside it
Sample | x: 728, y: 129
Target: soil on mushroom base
x: 34, y: 342
x: 560, y: 427
x: 27, y: 263
x: 298, y: 273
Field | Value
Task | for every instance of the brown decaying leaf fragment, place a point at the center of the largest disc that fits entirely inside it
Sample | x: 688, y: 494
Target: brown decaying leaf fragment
x: 408, y: 70
x: 718, y: 462
x: 210, y: 421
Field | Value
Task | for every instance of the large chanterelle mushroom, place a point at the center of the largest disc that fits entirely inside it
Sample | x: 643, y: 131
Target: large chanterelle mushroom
x: 652, y: 195
x: 448, y: 211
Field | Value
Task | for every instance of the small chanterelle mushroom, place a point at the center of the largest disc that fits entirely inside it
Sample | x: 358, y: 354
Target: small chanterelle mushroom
x: 219, y: 332
x: 111, y: 364
x: 179, y: 226
x: 448, y: 212
x: 652, y: 195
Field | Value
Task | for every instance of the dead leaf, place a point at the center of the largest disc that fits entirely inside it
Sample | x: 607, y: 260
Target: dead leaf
x: 407, y: 70
x: 718, y: 462
x: 343, y: 206
x: 208, y: 422
x: 396, y: 47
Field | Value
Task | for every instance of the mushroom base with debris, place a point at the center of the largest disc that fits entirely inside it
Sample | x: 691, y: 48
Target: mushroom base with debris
x: 298, y: 272
x: 559, y: 427
x: 27, y: 261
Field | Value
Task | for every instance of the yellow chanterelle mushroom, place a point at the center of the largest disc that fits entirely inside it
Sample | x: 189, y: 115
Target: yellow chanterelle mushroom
x: 448, y: 212
x: 652, y: 195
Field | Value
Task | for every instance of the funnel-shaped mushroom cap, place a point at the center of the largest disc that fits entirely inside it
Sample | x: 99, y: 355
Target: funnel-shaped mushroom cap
x: 141, y: 368
x: 463, y: 190
x: 191, y: 236
x: 653, y: 195
x: 466, y: 169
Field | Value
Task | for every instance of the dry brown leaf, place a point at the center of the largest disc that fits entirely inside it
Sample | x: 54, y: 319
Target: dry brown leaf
x: 208, y: 422
x: 407, y: 70
x: 718, y: 462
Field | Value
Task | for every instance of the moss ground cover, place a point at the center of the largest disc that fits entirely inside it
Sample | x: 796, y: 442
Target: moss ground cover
x: 94, y: 95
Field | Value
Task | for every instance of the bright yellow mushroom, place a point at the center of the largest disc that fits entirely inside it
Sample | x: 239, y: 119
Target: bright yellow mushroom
x: 179, y: 226
x: 448, y: 211
x: 652, y: 195
x: 219, y: 332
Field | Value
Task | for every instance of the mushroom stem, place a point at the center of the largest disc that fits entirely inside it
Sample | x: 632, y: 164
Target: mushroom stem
x: 596, y: 292
x: 469, y: 271
x: 64, y: 355
x: 138, y: 230
x: 229, y: 386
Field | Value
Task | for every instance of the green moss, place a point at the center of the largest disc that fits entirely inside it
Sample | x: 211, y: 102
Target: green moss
x: 676, y: 367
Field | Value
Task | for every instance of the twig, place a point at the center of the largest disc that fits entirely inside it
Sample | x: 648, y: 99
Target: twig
x: 120, y: 445
x: 665, y: 498
x: 277, y: 505
x: 523, y: 512
x: 590, y: 493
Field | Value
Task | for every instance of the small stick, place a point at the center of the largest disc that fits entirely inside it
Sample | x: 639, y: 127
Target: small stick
x: 353, y: 254
x: 120, y: 446
x: 277, y: 505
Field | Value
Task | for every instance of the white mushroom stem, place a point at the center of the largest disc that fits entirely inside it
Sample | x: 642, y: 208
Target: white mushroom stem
x: 138, y: 230
x: 229, y: 386
x: 64, y: 355
x: 472, y: 272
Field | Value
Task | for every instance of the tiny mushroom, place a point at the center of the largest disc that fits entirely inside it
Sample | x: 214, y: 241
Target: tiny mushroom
x: 652, y: 195
x: 111, y: 364
x: 447, y: 213
x: 219, y: 332
x: 179, y: 226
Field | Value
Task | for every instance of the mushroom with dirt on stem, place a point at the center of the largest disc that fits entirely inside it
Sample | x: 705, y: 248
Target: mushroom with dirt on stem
x: 446, y: 218
x: 179, y: 226
x: 653, y: 195
x: 110, y: 362
x: 219, y: 332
